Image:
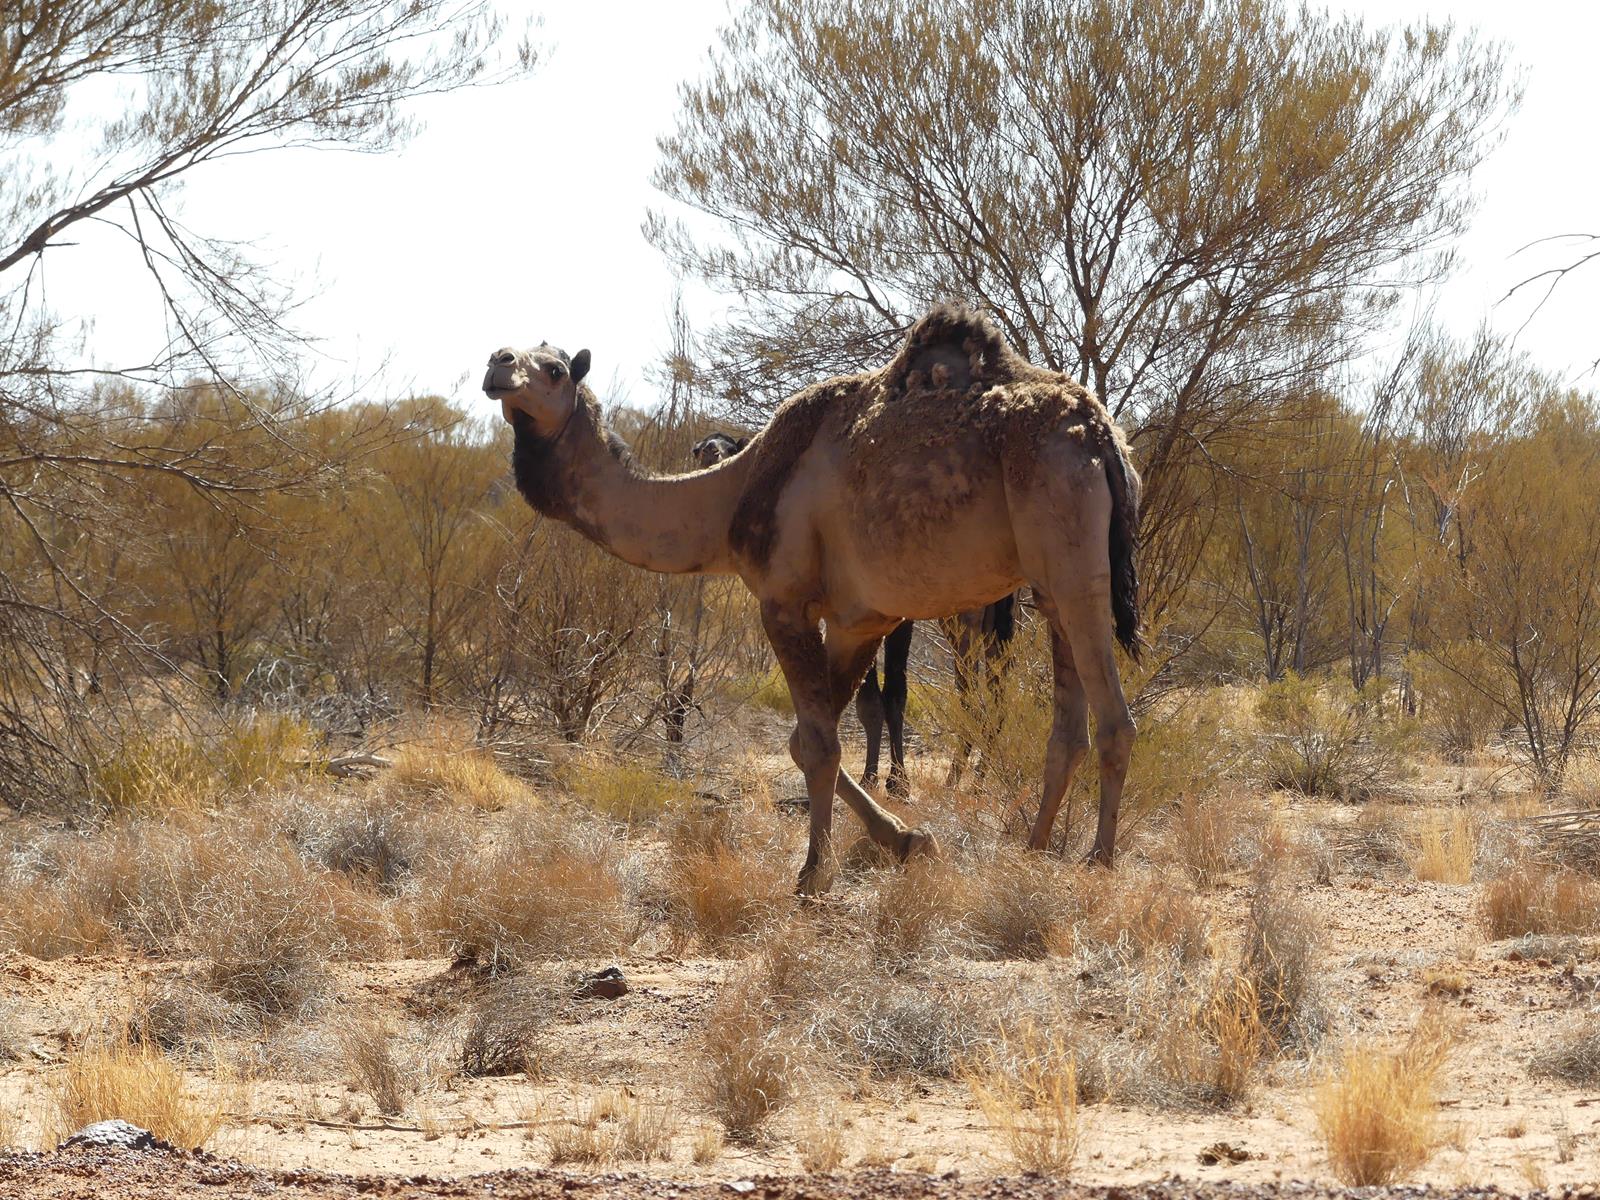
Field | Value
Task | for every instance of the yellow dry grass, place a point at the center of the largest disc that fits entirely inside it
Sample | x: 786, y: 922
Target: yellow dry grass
x: 1026, y: 1083
x: 625, y: 791
x: 1378, y: 1111
x: 1443, y: 846
x: 1537, y: 899
x: 134, y: 1083
x: 467, y: 777
x: 721, y: 894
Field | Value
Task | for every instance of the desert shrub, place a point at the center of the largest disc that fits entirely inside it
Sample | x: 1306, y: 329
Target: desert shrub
x: 614, y: 1125
x: 1536, y: 899
x: 1281, y: 937
x: 375, y: 1064
x: 1378, y: 1111
x: 1022, y: 905
x: 720, y: 894
x: 1328, y: 741
x: 1573, y: 1055
x: 432, y: 771
x: 137, y: 1084
x: 747, y: 1062
x: 1026, y: 1084
x: 508, y: 1026
x: 1443, y: 846
x: 266, y: 930
x: 540, y: 887
x: 771, y: 692
x: 1458, y: 715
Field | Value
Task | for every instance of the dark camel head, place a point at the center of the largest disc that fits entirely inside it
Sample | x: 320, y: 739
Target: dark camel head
x: 714, y: 447
x: 541, y: 384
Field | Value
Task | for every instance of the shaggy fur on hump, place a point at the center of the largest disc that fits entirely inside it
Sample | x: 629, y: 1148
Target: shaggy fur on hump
x: 955, y: 351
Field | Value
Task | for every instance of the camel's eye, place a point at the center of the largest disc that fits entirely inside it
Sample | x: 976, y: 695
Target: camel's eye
x: 554, y: 371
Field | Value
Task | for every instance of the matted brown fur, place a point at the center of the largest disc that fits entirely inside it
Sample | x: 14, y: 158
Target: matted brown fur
x: 954, y: 377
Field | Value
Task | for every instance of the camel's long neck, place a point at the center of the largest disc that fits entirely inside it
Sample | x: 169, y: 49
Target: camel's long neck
x: 676, y: 524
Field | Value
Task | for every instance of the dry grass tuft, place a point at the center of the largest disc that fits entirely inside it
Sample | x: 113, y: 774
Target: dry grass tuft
x: 615, y: 1125
x: 135, y: 1083
x: 1211, y: 1041
x: 1281, y: 938
x: 707, y: 1147
x: 1574, y: 1053
x: 266, y: 930
x: 375, y: 1065
x: 1443, y: 847
x: 627, y: 792
x: 915, y: 909
x: 747, y: 1061
x: 721, y: 894
x: 1534, y: 899
x: 507, y: 1028
x: 470, y: 777
x: 819, y: 1140
x: 1142, y: 915
x: 1378, y: 1113
x: 538, y: 889
x: 1027, y: 1086
x: 161, y: 773
x: 1022, y: 905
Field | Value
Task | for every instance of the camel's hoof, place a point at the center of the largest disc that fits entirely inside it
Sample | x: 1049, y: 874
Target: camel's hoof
x: 920, y: 844
x: 1097, y: 858
x: 898, y: 789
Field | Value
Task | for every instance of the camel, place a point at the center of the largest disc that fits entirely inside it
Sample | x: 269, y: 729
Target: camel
x: 974, y: 637
x: 981, y: 472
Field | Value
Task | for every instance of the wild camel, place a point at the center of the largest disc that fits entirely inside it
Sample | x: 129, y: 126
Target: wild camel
x: 982, y: 473
x: 974, y: 637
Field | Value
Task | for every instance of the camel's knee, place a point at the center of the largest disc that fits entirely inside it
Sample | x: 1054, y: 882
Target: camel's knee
x: 1115, y: 743
x: 813, y: 746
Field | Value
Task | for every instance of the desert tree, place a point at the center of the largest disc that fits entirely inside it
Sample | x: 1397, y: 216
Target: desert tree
x: 1196, y: 208
x: 1514, y: 607
x: 106, y: 108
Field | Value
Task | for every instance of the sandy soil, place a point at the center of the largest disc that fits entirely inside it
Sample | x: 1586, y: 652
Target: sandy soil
x: 1383, y: 937
x: 116, y: 1175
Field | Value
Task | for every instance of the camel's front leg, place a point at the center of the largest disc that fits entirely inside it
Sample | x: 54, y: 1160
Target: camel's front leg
x: 814, y: 744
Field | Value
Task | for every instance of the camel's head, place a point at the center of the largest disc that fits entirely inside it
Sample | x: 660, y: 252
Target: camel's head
x: 713, y: 448
x: 541, y: 384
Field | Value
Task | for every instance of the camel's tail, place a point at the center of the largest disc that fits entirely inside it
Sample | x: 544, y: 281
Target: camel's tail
x: 1125, y: 487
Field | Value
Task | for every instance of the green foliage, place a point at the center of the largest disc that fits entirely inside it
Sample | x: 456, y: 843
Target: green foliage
x: 1329, y: 740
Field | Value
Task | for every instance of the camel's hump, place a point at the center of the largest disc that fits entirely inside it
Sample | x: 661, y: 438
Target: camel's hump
x: 953, y: 347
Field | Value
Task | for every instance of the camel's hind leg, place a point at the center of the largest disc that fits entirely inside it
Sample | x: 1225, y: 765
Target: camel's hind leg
x: 870, y: 712
x: 1084, y: 616
x: 1069, y: 736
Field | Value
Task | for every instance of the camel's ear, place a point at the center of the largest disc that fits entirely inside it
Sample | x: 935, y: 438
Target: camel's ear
x: 580, y: 366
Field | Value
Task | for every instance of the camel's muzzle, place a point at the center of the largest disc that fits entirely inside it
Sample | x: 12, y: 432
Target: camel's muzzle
x: 502, y: 377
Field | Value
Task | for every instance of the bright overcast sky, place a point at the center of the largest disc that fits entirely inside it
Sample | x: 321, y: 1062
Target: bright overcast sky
x: 515, y: 215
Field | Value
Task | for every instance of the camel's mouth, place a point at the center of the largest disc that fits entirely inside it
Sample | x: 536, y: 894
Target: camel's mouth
x: 500, y: 382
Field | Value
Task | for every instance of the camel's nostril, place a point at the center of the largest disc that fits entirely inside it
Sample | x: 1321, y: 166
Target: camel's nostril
x: 503, y: 358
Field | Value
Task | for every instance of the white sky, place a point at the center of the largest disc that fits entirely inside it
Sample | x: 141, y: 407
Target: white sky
x: 515, y: 215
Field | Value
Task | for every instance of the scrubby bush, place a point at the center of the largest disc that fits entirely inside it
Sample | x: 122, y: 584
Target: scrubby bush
x: 1328, y: 740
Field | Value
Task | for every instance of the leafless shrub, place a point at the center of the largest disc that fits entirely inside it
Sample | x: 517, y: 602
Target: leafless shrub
x: 916, y: 909
x: 541, y: 887
x: 508, y: 1025
x: 747, y: 1060
x: 1574, y: 1053
x: 376, y: 1064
